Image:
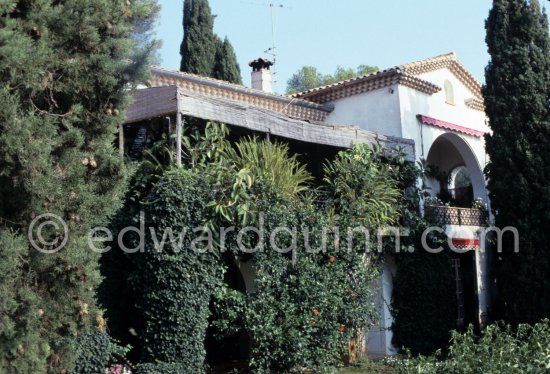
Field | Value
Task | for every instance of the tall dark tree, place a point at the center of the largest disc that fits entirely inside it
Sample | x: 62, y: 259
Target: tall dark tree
x: 198, y: 48
x: 516, y: 95
x: 202, y: 51
x: 226, y: 66
x: 65, y: 71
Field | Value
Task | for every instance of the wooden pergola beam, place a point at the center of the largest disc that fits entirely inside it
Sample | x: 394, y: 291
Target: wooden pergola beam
x: 169, y: 100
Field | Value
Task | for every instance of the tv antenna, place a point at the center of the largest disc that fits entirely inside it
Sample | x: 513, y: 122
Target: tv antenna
x: 272, y: 51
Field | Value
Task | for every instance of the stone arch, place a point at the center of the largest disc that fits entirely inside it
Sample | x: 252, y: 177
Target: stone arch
x: 239, y: 276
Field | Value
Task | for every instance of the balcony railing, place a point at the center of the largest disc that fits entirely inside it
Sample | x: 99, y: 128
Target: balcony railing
x: 448, y: 215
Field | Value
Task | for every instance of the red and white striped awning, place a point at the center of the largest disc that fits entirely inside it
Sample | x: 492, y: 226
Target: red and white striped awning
x: 465, y: 242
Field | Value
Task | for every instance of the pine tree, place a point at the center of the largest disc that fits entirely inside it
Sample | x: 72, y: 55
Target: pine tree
x: 516, y: 99
x: 202, y: 51
x: 226, y: 66
x: 64, y: 74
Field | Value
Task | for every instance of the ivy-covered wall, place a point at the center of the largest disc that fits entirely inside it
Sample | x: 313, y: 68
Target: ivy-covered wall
x: 307, y: 303
x: 424, y: 303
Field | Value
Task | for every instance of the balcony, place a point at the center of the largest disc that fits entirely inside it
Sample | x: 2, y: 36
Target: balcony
x: 447, y: 215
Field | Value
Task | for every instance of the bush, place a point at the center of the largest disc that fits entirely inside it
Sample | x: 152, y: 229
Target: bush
x: 175, y: 284
x: 308, y: 305
x: 161, y: 368
x: 97, y: 352
x: 424, y: 300
x: 499, y: 349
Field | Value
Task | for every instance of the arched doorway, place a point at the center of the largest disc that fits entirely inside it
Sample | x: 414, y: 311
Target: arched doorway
x: 456, y: 178
x: 225, y: 353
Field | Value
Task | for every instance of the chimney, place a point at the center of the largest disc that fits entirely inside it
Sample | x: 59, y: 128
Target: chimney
x: 261, y: 75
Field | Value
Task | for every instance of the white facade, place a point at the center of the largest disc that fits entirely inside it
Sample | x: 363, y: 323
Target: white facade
x: 394, y: 110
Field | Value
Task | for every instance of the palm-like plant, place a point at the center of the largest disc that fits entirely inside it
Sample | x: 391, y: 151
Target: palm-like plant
x: 272, y: 162
x: 363, y: 186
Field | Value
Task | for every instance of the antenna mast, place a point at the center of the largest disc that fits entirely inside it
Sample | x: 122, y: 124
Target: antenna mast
x: 273, y: 50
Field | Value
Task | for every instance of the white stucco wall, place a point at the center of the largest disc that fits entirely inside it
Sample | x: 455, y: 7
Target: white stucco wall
x: 380, y: 336
x: 413, y: 102
x: 458, y: 113
x: 376, y: 111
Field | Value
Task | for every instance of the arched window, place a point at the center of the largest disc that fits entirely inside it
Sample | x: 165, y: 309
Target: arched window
x: 460, y: 185
x: 449, y: 93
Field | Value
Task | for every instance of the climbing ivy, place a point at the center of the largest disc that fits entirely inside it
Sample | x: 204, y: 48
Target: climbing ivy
x: 97, y: 351
x: 175, y: 280
x: 424, y: 300
x: 306, y: 304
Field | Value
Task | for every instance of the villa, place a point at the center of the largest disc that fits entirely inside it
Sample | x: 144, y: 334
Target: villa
x: 431, y: 109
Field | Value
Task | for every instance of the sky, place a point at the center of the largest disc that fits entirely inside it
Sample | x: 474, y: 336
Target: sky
x: 331, y: 33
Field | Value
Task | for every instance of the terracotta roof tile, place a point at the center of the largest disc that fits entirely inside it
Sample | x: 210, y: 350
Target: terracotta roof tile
x: 293, y: 107
x: 406, y: 74
x: 450, y: 62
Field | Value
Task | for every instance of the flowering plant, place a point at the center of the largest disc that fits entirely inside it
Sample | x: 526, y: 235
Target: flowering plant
x: 118, y: 369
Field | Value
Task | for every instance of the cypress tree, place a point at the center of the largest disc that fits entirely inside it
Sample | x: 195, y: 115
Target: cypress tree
x: 64, y: 73
x: 198, y: 48
x: 202, y: 51
x: 226, y: 66
x: 516, y: 98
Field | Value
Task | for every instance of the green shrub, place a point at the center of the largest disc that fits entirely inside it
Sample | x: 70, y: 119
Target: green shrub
x: 307, y: 305
x: 424, y: 301
x: 96, y: 352
x: 175, y: 284
x: 162, y: 368
x: 499, y: 349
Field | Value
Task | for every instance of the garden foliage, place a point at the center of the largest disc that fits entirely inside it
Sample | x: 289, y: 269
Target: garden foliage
x: 424, y: 304
x: 175, y: 281
x: 305, y: 307
x: 309, y: 302
x: 96, y: 352
x: 499, y: 349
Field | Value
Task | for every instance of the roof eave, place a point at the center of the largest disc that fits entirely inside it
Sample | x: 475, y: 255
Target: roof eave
x: 328, y: 108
